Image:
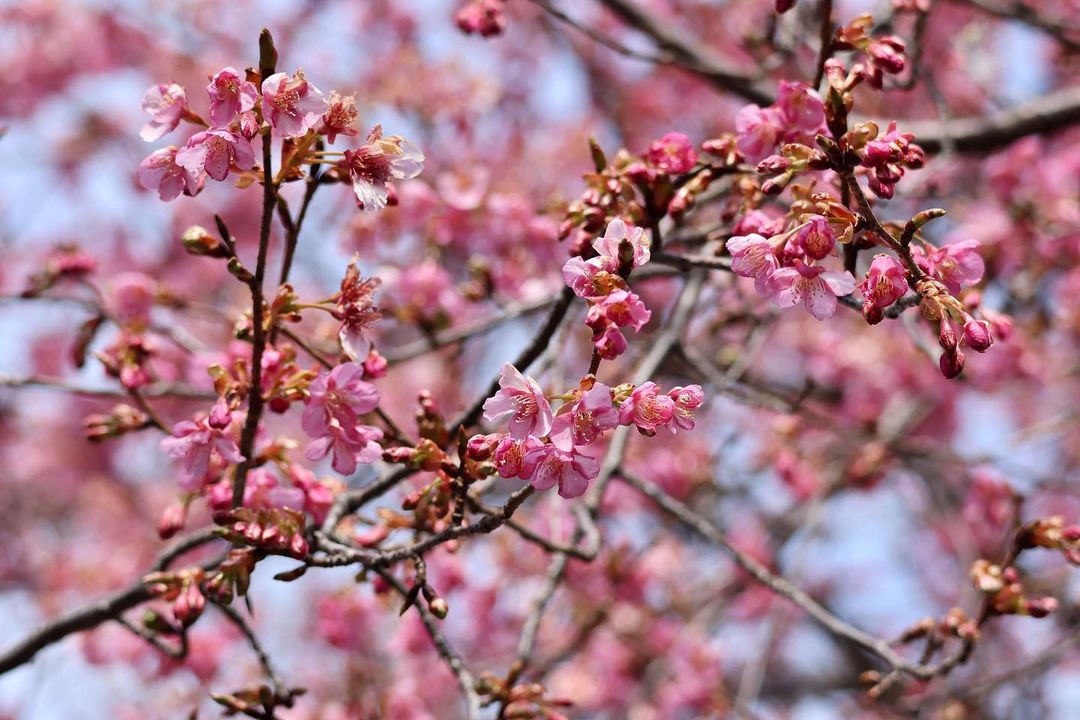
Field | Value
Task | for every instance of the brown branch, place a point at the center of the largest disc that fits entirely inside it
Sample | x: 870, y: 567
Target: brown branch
x: 687, y: 53
x: 983, y: 134
x: 94, y: 614
x: 255, y: 398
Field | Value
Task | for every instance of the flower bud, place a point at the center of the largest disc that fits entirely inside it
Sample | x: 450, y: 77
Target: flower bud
x: 197, y: 240
x: 952, y: 363
x: 172, y: 520
x: 977, y: 335
x: 872, y: 313
x: 947, y: 336
x: 1040, y: 608
x: 481, y: 447
x: 439, y: 608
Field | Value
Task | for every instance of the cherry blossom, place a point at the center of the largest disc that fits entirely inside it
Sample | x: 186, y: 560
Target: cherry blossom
x: 230, y: 95
x: 213, y: 152
x: 291, y: 105
x: 647, y: 409
x: 522, y: 402
x: 372, y: 166
x: 201, y: 440
x: 608, y: 245
x: 812, y: 285
x: 673, y: 153
x: 586, y: 419
x: 956, y: 265
x: 885, y: 282
x: 752, y: 256
x: 160, y: 171
x: 571, y: 470
x: 166, y: 104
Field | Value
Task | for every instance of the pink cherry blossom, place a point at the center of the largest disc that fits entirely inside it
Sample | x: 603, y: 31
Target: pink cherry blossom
x: 617, y: 231
x: 813, y: 285
x: 200, y: 440
x: 569, y: 469
x: 512, y: 457
x: 582, y: 276
x: 293, y: 105
x: 351, y: 446
x: 647, y: 408
x: 341, y: 117
x: 621, y: 308
x: 586, y: 420
x: 230, y: 94
x: 815, y: 238
x: 800, y: 106
x: 160, y: 171
x: 956, y: 265
x: 687, y: 400
x: 752, y: 256
x: 372, y: 166
x: 166, y: 104
x: 357, y: 311
x: 337, y: 399
x: 214, y: 152
x: 757, y: 132
x: 332, y: 416
x: 673, y: 153
x: 885, y: 282
x: 522, y: 401
x: 610, y: 343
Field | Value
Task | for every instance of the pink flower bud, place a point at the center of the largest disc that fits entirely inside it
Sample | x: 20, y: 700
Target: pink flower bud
x: 977, y: 335
x: 172, y: 520
x: 952, y: 363
x: 481, y: 447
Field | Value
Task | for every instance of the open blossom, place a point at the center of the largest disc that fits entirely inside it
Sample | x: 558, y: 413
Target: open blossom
x: 815, y: 238
x: 618, y: 231
x: 341, y: 117
x: 293, y: 105
x: 885, y: 282
x: 522, y: 401
x: 673, y: 153
x: 752, y: 256
x: 813, y: 285
x: 647, y: 408
x: 230, y: 94
x: 199, y: 440
x: 620, y: 308
x: 214, y: 152
x: 800, y: 106
x: 610, y: 343
x: 372, y: 166
x: 357, y: 312
x: 569, y: 469
x: 338, y: 399
x: 587, y: 419
x: 584, y: 277
x: 756, y: 132
x: 510, y: 456
x: 687, y: 400
x: 166, y: 104
x: 160, y: 171
x: 351, y: 447
x: 955, y: 265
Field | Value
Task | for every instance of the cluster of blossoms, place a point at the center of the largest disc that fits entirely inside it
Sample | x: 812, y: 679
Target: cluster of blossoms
x: 797, y: 116
x: 785, y: 262
x: 637, y: 189
x: 601, y: 281
x: 290, y: 108
x: 546, y: 448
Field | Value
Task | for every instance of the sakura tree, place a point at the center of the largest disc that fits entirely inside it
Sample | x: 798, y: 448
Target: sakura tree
x: 491, y: 359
